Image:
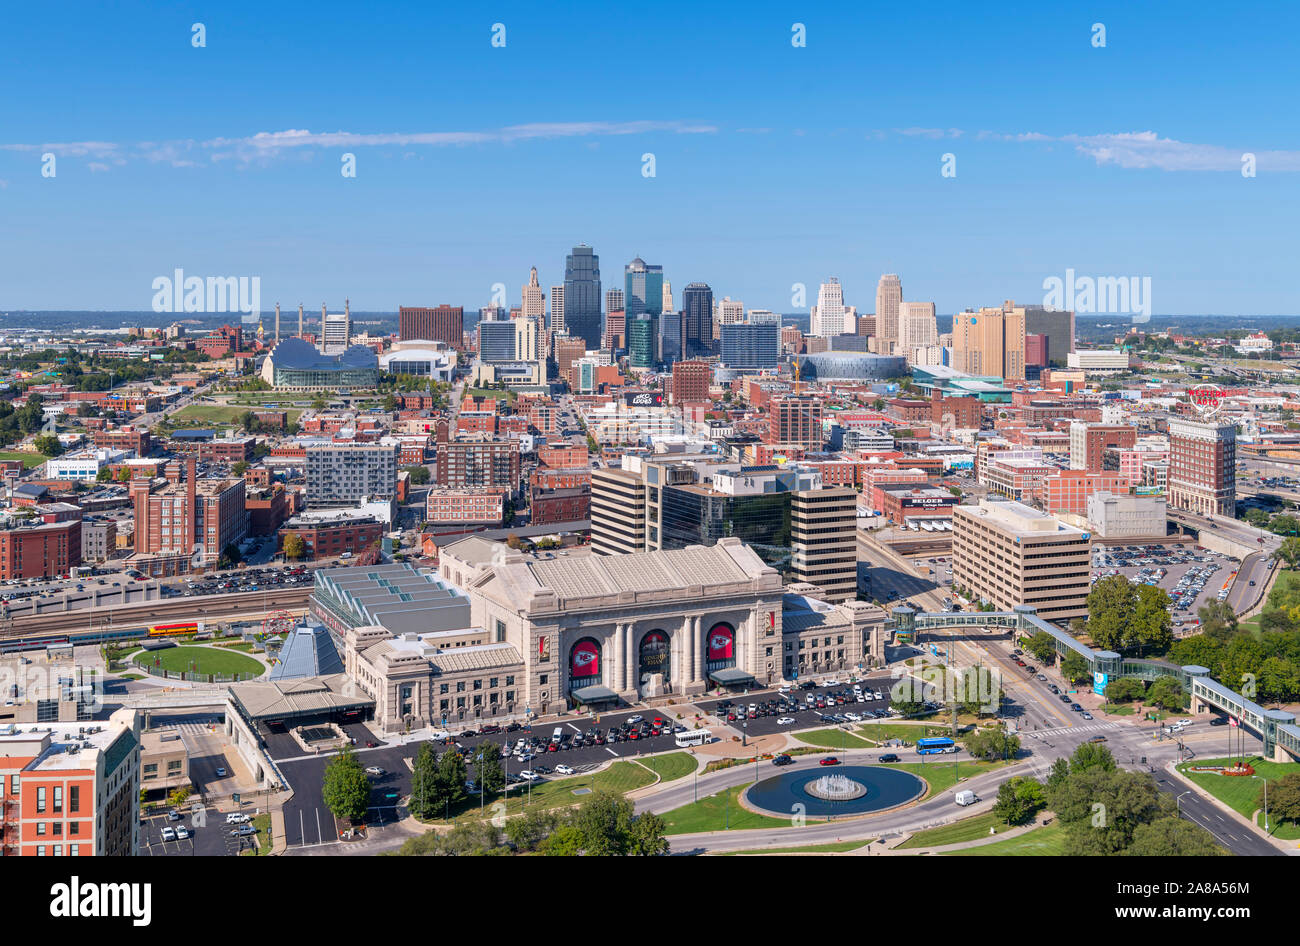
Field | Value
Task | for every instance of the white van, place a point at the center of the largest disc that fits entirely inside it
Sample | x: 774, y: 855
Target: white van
x: 965, y: 798
x: 556, y: 736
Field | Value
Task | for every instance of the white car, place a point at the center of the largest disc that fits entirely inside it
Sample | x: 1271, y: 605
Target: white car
x: 563, y: 769
x: 785, y: 721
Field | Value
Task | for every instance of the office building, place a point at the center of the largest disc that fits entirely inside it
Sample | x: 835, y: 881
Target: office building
x: 444, y: 323
x: 1009, y: 554
x: 697, y: 309
x: 889, y: 300
x: 1203, y: 468
x: 582, y: 295
x: 557, y: 310
x: 828, y: 317
x: 750, y: 347
x: 344, y: 474
x: 71, y: 797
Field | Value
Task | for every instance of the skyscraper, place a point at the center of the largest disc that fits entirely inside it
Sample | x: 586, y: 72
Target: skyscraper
x: 534, y: 299
x: 889, y: 296
x: 828, y: 317
x: 557, y: 310
x: 697, y: 308
x: 582, y: 295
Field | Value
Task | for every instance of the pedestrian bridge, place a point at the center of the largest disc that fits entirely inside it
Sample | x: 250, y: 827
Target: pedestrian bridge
x: 1277, y: 728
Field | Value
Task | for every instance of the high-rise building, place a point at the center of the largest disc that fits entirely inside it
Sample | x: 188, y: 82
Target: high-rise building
x: 557, y: 311
x: 643, y: 288
x: 917, y: 327
x: 1203, y: 467
x: 691, y: 382
x: 344, y: 474
x: 582, y: 295
x: 1009, y: 554
x: 828, y: 316
x: 889, y: 296
x: 444, y: 323
x: 697, y: 306
x: 990, y: 342
x: 751, y: 347
x: 614, y: 300
x: 534, y: 299
x: 795, y: 419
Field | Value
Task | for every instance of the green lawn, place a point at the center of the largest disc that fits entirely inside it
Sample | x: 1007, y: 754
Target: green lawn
x: 1040, y: 842
x: 621, y: 777
x: 28, y: 460
x: 968, y: 829
x: 210, y: 660
x: 833, y: 739
x: 717, y: 813
x: 1240, y: 793
x: 833, y: 848
x: 670, y: 767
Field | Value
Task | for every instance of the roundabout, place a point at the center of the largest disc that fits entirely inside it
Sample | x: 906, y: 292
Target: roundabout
x: 851, y: 790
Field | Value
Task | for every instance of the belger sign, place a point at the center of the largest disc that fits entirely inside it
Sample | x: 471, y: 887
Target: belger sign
x: 1207, y: 399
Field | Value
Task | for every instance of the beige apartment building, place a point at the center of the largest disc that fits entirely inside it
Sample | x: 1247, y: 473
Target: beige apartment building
x: 1009, y: 554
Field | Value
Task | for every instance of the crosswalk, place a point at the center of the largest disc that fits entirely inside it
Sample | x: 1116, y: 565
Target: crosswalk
x: 1087, y: 727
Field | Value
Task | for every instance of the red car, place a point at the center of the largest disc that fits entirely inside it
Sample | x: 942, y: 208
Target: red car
x: 830, y: 760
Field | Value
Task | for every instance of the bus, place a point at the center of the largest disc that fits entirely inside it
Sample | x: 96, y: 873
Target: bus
x: 694, y: 737
x: 170, y: 630
x: 934, y: 744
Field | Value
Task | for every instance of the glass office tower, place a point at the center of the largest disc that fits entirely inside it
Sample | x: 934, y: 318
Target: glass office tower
x: 582, y: 296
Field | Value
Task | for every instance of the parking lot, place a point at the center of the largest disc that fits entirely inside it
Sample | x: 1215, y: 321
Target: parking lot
x: 1193, y: 576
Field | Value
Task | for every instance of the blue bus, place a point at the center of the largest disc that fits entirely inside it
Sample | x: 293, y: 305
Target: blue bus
x: 934, y: 744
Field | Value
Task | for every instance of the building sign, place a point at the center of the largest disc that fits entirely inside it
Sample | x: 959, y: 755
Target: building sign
x: 722, y: 642
x: 645, y: 399
x: 584, y: 659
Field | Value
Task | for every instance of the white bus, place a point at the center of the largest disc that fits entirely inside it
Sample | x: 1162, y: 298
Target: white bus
x: 694, y: 737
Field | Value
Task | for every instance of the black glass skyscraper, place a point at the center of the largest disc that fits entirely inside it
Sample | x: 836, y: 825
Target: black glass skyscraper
x: 582, y: 295
x: 697, y: 312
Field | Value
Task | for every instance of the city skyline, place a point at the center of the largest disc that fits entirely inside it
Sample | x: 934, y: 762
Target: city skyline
x: 233, y: 166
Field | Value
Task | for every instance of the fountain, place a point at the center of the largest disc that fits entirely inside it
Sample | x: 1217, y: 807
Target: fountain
x: 835, y: 788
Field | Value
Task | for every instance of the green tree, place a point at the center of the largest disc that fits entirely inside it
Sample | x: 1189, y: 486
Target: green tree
x: 1166, y: 693
x: 48, y: 445
x: 1074, y: 667
x: 1091, y: 755
x: 991, y: 743
x: 1172, y: 836
x: 293, y: 546
x: 1043, y: 646
x: 346, y: 790
x: 1018, y: 799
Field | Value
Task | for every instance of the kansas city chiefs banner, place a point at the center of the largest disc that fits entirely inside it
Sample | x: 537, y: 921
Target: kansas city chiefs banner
x: 584, y: 659
x: 722, y: 641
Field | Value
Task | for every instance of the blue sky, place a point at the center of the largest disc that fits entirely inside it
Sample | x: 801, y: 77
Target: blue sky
x: 775, y: 165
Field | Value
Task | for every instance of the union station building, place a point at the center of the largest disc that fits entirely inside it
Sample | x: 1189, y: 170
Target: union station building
x: 496, y: 633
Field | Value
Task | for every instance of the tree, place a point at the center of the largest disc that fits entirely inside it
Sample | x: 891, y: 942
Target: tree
x: 346, y: 790
x: 450, y: 777
x: 1074, y: 667
x: 419, y: 474
x: 1172, y: 836
x: 1091, y: 755
x: 48, y: 445
x: 491, y: 776
x: 293, y: 546
x: 1018, y: 799
x: 992, y: 743
x: 1124, y: 689
x: 1043, y: 646
x: 1283, y: 798
x: 1166, y: 693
